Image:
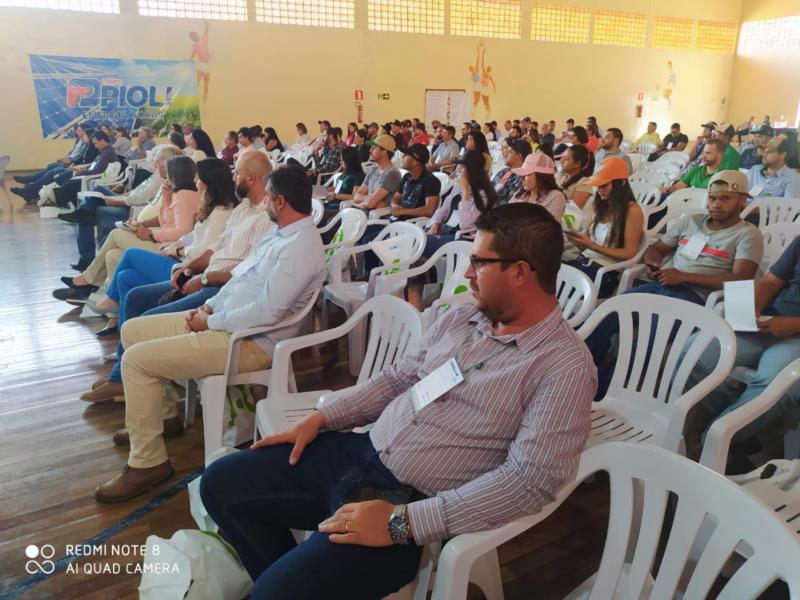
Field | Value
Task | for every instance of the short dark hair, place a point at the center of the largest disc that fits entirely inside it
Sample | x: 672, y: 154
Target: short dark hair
x: 571, y: 121
x: 653, y: 123
x: 301, y: 127
x: 246, y: 132
x: 292, y: 183
x: 718, y: 144
x: 616, y: 133
x: 520, y: 146
x: 451, y: 130
x: 528, y: 232
x: 675, y: 126
x: 101, y: 136
x: 177, y: 139
x: 784, y: 147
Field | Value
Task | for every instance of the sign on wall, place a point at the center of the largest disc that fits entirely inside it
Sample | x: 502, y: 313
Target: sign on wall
x: 128, y: 93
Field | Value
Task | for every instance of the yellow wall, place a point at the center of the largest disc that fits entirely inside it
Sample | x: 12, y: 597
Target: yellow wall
x: 278, y: 75
x: 767, y: 84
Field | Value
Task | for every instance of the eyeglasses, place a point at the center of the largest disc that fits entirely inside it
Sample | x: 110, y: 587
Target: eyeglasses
x: 478, y: 261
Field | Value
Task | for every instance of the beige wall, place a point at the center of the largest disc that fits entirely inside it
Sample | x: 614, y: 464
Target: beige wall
x: 767, y: 85
x: 282, y: 74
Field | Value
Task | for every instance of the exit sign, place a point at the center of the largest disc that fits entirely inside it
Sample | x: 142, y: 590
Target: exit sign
x: 383, y: 96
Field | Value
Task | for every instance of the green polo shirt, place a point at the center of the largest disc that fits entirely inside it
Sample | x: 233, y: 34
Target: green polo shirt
x: 731, y: 161
x: 697, y: 177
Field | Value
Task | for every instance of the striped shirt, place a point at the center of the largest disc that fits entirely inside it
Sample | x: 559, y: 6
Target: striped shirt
x: 246, y: 227
x: 498, y: 445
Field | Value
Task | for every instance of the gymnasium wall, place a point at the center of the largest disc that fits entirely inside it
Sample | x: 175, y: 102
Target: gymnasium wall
x: 279, y: 74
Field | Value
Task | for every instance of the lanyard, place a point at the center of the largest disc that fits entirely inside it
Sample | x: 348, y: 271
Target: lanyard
x: 481, y: 363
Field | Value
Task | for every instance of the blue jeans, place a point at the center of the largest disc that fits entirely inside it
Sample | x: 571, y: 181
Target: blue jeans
x: 434, y: 242
x: 105, y: 218
x: 599, y: 342
x: 143, y: 301
x: 138, y: 267
x: 256, y: 497
x: 44, y: 177
x: 768, y: 356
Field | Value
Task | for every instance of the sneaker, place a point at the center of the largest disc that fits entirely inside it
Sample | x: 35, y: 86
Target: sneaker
x: 74, y: 295
x: 23, y: 193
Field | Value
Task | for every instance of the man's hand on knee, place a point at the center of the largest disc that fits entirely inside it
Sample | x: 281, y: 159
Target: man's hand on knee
x: 301, y: 435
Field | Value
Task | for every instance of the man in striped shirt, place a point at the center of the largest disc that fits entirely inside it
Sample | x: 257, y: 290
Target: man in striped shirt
x: 492, y: 448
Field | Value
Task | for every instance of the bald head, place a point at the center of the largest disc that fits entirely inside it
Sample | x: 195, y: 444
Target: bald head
x: 252, y: 172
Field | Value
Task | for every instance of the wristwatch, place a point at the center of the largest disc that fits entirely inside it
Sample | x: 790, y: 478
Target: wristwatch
x: 399, y: 526
x: 204, y: 279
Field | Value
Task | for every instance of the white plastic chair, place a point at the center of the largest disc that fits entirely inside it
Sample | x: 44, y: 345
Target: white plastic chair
x: 719, y: 436
x: 686, y: 201
x: 211, y: 389
x: 773, y: 210
x: 351, y: 223
x: 317, y: 211
x: 447, y: 184
x: 349, y: 295
x: 714, y: 521
x: 394, y: 330
x: 643, y: 476
x: 112, y: 176
x: 624, y: 265
x: 576, y: 294
x: 646, y: 400
x: 647, y: 149
x: 647, y: 195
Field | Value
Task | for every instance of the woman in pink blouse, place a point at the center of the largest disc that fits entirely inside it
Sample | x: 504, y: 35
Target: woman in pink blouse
x: 539, y: 184
x: 477, y: 195
x: 180, y: 202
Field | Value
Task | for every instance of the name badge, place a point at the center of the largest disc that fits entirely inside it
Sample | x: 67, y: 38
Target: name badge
x: 694, y: 246
x: 436, y: 384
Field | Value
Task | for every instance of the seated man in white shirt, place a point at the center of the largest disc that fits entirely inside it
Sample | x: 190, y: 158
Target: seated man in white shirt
x: 274, y: 283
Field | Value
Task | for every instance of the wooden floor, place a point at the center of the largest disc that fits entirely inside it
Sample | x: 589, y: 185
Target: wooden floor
x: 55, y: 449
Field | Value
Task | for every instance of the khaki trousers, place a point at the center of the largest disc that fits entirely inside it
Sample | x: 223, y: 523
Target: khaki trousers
x: 107, y: 258
x: 158, y: 350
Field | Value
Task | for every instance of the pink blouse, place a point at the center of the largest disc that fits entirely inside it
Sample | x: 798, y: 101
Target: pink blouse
x: 468, y: 213
x: 554, y: 201
x: 177, y: 216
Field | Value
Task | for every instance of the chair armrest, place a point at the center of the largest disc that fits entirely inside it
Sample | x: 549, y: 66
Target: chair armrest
x: 629, y: 276
x: 336, y: 220
x: 620, y: 266
x: 377, y: 213
x: 713, y: 298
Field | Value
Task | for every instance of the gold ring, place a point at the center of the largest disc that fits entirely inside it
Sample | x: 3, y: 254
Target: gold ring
x: 347, y: 526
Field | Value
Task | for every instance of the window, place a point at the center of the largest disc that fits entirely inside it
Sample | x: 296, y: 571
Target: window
x: 716, y: 37
x: 618, y: 28
x: 560, y: 23
x: 770, y: 36
x: 313, y: 13
x: 485, y: 18
x: 95, y: 6
x: 214, y: 10
x: 413, y: 16
x: 671, y: 33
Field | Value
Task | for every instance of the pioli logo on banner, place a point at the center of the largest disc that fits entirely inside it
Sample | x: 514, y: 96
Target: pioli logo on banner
x: 111, y: 94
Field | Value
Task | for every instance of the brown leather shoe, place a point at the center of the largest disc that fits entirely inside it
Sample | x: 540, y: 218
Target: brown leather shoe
x: 105, y: 393
x: 99, y: 382
x: 172, y: 428
x: 132, y: 482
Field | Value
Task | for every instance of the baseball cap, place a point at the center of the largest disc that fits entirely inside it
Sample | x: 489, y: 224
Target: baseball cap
x: 778, y: 144
x: 711, y: 125
x: 726, y: 128
x: 612, y: 168
x: 384, y: 141
x: 728, y: 181
x: 418, y: 152
x: 324, y: 122
x: 762, y: 129
x: 538, y: 162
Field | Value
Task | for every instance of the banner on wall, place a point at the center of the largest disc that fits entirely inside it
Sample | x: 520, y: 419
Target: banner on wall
x: 128, y: 93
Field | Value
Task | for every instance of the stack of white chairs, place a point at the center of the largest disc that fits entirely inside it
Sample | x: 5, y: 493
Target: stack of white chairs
x: 647, y: 195
x: 773, y: 210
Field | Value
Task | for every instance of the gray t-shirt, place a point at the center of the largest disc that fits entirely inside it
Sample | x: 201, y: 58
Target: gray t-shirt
x: 601, y: 155
x: 724, y: 246
x: 388, y: 179
x: 446, y: 150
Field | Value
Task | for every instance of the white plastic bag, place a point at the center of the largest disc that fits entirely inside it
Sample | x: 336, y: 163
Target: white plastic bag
x: 192, y: 565
x: 199, y: 512
x: 393, y: 250
x: 240, y: 415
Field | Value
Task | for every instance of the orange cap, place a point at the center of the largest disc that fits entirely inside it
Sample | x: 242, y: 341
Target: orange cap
x: 613, y: 168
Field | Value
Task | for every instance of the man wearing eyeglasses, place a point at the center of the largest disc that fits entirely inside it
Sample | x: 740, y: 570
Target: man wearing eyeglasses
x: 480, y: 426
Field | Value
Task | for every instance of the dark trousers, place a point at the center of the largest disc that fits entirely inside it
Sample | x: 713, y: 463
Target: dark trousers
x: 256, y: 497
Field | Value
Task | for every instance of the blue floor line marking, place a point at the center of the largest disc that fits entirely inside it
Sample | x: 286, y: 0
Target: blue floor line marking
x: 101, y: 537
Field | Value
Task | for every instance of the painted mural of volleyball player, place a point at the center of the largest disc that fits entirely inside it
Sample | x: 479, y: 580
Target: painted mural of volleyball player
x: 202, y: 58
x: 486, y: 79
x: 475, y: 77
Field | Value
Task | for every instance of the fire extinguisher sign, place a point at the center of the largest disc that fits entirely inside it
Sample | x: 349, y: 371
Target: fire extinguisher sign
x: 358, y: 95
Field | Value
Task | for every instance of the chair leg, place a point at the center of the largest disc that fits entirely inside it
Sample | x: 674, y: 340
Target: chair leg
x: 485, y: 573
x: 212, y: 395
x: 190, y: 406
x: 356, y: 344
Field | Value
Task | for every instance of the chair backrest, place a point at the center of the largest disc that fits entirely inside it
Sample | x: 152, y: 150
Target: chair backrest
x: 417, y: 246
x: 647, y: 148
x: 336, y: 180
x: 395, y: 329
x: 352, y: 223
x: 576, y: 295
x: 637, y: 161
x: 773, y: 210
x: 650, y: 176
x: 776, y: 238
x: 686, y: 201
x: 447, y: 183
x: 4, y: 160
x: 317, y: 210
x: 647, y: 195
x: 660, y: 341
x: 717, y: 527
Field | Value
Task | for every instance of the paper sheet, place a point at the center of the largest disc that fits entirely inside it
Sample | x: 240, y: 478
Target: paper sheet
x: 740, y: 305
